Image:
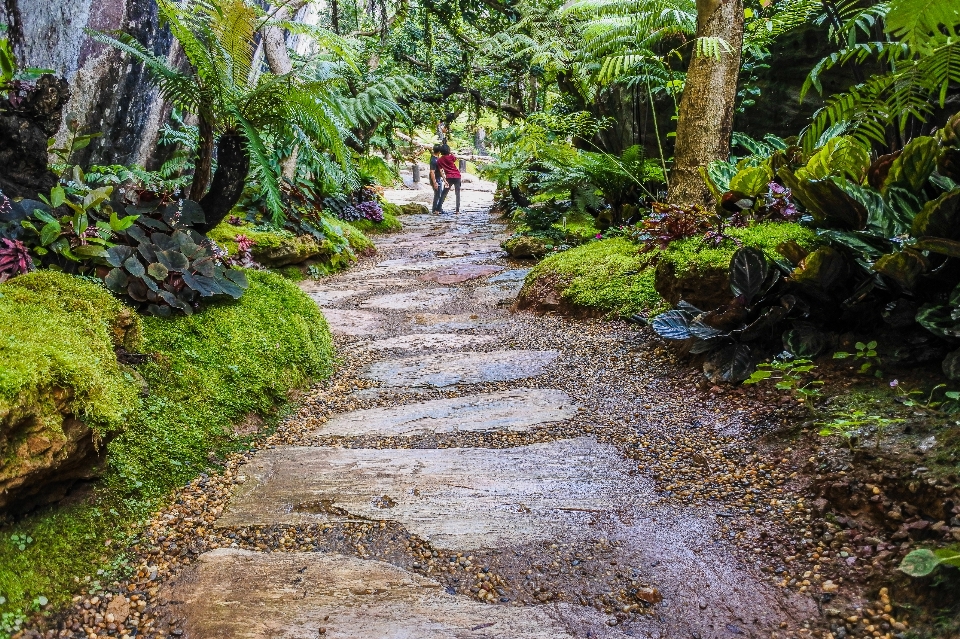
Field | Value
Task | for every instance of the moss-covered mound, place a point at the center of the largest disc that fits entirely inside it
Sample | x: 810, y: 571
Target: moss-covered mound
x: 605, y: 277
x: 613, y: 277
x: 61, y: 388
x: 205, y: 374
x: 696, y: 270
x: 276, y: 248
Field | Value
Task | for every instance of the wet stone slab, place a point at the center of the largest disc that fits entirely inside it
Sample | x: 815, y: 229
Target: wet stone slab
x: 448, y: 369
x: 353, y: 323
x: 457, y: 498
x: 430, y: 298
x: 514, y: 275
x: 515, y: 411
x: 459, y: 322
x: 420, y: 342
x: 462, y: 273
x: 239, y: 594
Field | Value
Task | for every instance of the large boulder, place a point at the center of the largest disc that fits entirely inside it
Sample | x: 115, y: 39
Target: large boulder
x: 63, y: 393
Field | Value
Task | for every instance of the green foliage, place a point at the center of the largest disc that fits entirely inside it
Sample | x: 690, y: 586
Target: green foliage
x: 731, y: 333
x: 848, y: 427
x: 698, y: 254
x: 791, y: 375
x: 389, y: 224
x: 923, y: 561
x: 922, y: 53
x: 866, y: 355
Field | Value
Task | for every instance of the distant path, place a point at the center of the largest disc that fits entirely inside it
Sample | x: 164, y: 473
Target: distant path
x: 473, y: 473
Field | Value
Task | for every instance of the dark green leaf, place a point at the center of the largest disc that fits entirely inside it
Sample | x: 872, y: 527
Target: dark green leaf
x: 116, y: 255
x: 673, y: 324
x: 158, y: 271
x: 939, y: 217
x: 748, y: 272
x: 134, y: 267
x: 116, y: 280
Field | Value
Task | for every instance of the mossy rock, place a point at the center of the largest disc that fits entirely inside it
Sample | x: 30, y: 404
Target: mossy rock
x: 601, y: 278
x: 279, y: 248
x: 63, y: 393
x: 414, y: 208
x: 525, y: 246
x: 696, y: 270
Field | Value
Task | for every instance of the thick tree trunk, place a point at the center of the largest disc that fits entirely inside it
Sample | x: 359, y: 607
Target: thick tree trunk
x: 201, y: 172
x: 233, y: 164
x: 707, y: 106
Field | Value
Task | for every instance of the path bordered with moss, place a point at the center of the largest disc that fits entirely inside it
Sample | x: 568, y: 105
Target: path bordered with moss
x: 469, y: 472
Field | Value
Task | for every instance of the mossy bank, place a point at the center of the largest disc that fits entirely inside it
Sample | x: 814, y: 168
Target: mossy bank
x: 614, y: 277
x: 205, y: 379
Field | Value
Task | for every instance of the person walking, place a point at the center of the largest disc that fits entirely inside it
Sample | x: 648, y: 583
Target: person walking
x: 451, y: 175
x: 436, y: 180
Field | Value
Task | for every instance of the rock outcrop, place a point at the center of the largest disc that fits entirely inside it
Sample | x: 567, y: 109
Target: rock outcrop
x: 29, y: 117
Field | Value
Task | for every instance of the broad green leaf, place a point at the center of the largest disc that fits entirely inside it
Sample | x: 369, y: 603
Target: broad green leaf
x: 50, y: 232
x: 752, y: 181
x: 914, y: 165
x: 158, y: 271
x: 919, y: 563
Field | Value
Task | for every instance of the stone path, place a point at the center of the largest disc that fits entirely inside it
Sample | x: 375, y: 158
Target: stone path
x: 475, y: 490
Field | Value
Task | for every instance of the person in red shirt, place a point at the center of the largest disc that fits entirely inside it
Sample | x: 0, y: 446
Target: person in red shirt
x: 451, y: 175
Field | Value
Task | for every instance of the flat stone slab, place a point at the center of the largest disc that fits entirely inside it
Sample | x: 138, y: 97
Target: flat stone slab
x: 239, y: 594
x: 462, y: 273
x: 334, y: 296
x: 448, y: 369
x: 461, y: 322
x: 430, y: 298
x: 513, y: 275
x: 354, y: 323
x: 497, y: 294
x: 458, y: 498
x: 429, y: 341
x: 516, y: 411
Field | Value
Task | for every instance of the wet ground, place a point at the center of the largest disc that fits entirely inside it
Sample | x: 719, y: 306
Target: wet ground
x: 470, y: 472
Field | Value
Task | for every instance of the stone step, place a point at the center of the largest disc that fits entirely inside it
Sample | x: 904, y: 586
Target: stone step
x: 457, y: 498
x: 239, y: 594
x: 448, y: 369
x: 421, y: 300
x: 354, y: 323
x: 420, y: 342
x: 515, y: 410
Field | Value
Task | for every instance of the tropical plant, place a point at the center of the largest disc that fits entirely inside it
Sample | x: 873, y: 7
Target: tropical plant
x: 240, y: 109
x: 14, y: 258
x: 848, y: 427
x: 162, y: 265
x: 867, y: 356
x: 790, y: 374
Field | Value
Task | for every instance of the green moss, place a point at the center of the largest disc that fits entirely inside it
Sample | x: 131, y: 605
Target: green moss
x: 59, y: 332
x: 292, y: 273
x: 212, y: 369
x: 390, y: 224
x: 696, y: 254
x: 610, y: 276
x: 226, y: 234
x: 579, y: 229
x: 359, y: 243
x: 208, y: 371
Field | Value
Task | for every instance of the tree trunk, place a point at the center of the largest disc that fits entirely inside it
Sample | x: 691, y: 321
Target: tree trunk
x: 278, y: 59
x: 201, y: 172
x: 707, y: 105
x: 233, y: 164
